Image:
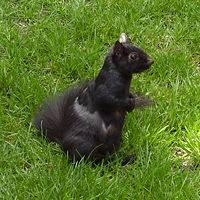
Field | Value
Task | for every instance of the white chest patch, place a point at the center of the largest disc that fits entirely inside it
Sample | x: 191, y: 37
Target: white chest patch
x: 91, y: 118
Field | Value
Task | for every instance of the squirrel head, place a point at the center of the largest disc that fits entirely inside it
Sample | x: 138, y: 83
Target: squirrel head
x: 129, y: 59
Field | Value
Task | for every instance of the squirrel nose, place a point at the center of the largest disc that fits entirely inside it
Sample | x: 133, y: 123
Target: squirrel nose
x: 150, y: 61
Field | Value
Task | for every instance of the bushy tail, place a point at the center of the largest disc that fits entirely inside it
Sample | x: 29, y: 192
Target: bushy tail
x: 142, y: 101
x: 50, y: 118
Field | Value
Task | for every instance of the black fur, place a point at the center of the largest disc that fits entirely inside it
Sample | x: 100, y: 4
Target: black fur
x: 87, y: 120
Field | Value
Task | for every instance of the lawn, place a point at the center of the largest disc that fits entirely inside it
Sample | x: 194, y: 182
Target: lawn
x: 48, y: 45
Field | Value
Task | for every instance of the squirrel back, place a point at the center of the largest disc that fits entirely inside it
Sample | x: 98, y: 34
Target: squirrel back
x: 87, y: 120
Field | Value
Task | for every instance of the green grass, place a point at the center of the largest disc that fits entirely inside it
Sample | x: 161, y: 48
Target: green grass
x: 49, y: 45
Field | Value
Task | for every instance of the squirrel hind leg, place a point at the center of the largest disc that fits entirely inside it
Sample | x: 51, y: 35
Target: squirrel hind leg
x: 129, y: 159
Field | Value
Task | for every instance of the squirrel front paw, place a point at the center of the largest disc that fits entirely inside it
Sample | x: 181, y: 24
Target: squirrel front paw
x: 131, y: 105
x: 131, y: 96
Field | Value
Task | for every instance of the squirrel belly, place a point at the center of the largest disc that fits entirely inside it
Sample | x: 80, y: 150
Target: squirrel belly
x: 94, y: 119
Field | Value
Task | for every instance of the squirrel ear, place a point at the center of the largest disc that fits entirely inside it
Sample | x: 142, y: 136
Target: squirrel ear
x: 118, y: 49
x: 123, y: 38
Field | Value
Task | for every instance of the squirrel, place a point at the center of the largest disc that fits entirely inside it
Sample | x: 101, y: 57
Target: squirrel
x: 87, y: 120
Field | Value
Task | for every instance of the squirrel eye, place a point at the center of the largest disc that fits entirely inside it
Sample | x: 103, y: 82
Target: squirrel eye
x: 133, y: 56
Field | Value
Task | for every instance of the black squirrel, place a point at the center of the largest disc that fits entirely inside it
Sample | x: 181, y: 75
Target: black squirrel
x: 87, y: 120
